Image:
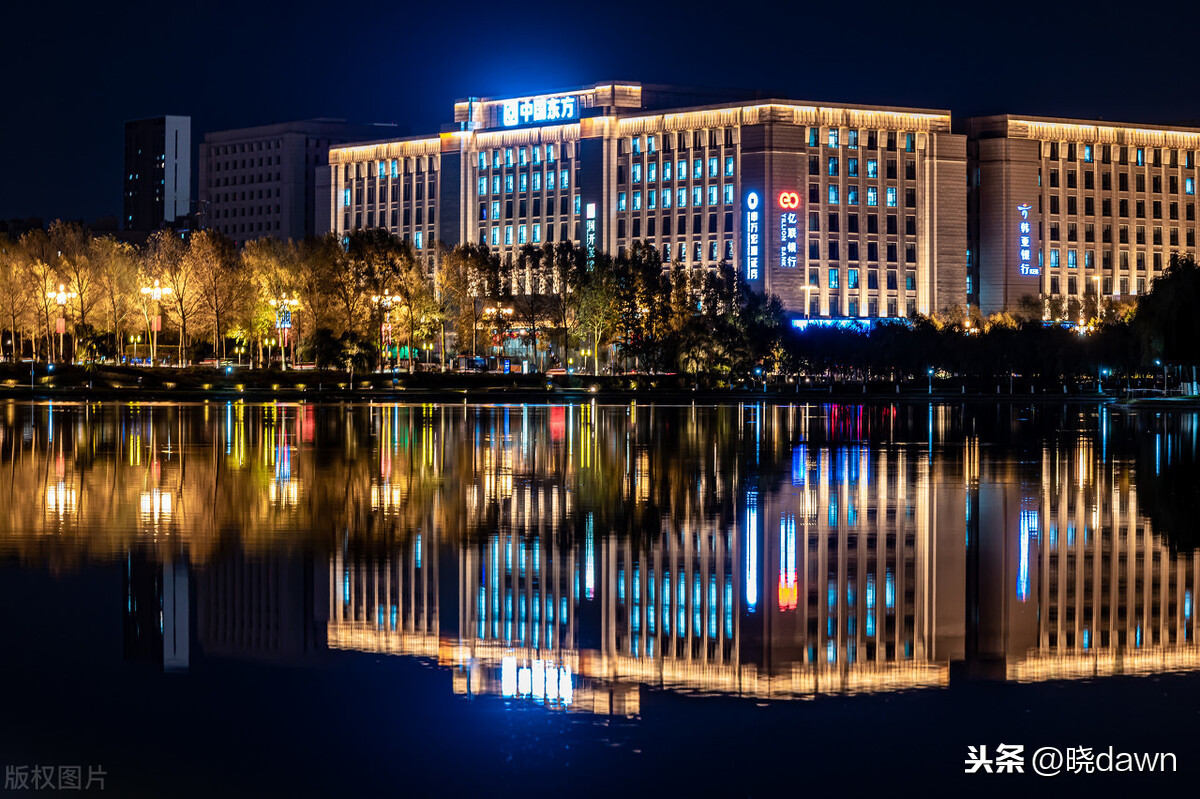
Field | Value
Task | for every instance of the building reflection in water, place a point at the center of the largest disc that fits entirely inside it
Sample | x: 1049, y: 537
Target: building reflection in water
x: 575, y: 555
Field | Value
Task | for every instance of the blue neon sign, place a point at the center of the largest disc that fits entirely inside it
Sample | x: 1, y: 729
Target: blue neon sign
x: 1024, y: 242
x: 752, y: 236
x: 539, y: 109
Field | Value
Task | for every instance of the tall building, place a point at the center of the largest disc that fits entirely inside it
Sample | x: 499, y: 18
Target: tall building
x: 262, y: 181
x: 844, y: 212
x: 1064, y: 209
x: 158, y: 171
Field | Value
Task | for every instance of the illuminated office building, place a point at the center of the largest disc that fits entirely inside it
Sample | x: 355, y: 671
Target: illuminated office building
x: 841, y: 211
x: 1061, y: 209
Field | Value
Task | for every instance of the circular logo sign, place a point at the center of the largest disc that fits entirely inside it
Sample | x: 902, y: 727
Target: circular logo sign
x: 789, y: 199
x: 752, y: 200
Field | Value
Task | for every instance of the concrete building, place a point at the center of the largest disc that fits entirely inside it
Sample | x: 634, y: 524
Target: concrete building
x: 844, y: 212
x: 1064, y: 209
x: 262, y: 181
x: 158, y: 171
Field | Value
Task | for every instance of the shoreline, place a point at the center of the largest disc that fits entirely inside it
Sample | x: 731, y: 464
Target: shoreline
x: 207, y: 384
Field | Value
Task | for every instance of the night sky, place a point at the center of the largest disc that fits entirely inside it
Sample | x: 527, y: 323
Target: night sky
x: 74, y: 73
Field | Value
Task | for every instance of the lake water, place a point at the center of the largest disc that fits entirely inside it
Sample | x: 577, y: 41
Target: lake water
x: 381, y: 599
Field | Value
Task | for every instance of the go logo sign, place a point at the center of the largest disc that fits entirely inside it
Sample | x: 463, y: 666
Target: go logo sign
x: 789, y: 200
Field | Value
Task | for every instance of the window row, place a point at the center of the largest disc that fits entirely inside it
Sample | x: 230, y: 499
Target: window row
x: 1106, y: 208
x: 241, y: 180
x: 225, y: 166
x: 1071, y: 259
x: 1089, y: 181
x: 495, y: 211
x: 1084, y: 287
x: 654, y: 228
x: 1109, y: 153
x: 397, y: 195
x: 550, y: 180
x: 834, y: 139
x: 523, y: 156
x: 1106, y: 234
x: 700, y: 168
x: 245, y: 147
x: 391, y: 168
x: 675, y: 140
x: 834, y: 249
x: 834, y: 195
x: 833, y: 167
x: 715, y: 195
x: 833, y: 223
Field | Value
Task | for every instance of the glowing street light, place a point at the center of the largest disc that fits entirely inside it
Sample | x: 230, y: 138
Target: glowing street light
x: 60, y: 297
x: 135, y: 340
x: 385, y: 301
x: 284, y: 308
x: 155, y: 293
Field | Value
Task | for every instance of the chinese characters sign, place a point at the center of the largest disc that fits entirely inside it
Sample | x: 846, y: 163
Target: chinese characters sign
x: 789, y: 201
x: 590, y: 234
x: 1024, y: 242
x: 752, y: 236
x: 539, y: 109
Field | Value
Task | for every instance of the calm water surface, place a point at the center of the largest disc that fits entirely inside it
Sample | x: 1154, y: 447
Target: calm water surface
x: 343, y: 600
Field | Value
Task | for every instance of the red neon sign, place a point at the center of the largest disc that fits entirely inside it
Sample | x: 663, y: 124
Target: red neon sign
x: 789, y: 199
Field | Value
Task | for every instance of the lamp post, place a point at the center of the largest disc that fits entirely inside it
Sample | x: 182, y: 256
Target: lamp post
x: 135, y: 340
x: 385, y: 301
x: 929, y: 371
x: 60, y: 297
x: 284, y: 307
x: 1158, y: 362
x: 155, y: 293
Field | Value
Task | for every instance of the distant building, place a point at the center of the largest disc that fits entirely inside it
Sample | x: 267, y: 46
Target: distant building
x: 158, y: 171
x: 259, y: 182
x: 842, y: 211
x: 1065, y: 209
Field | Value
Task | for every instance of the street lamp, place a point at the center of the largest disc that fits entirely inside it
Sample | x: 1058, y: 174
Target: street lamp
x: 385, y: 301
x: 60, y: 297
x: 135, y: 340
x: 155, y: 292
x: 929, y: 371
x: 1158, y: 362
x: 284, y: 308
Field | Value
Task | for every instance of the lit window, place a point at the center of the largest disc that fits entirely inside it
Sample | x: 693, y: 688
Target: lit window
x: 637, y: 145
x: 495, y: 184
x: 872, y: 168
x: 537, y: 229
x: 852, y: 139
x: 495, y: 159
x: 852, y: 195
x: 891, y: 197
x: 537, y: 180
x: 395, y: 168
x: 346, y: 197
x: 712, y: 167
x: 728, y: 195
x: 508, y: 156
x: 681, y: 169
x: 833, y: 166
x: 814, y: 137
x: 1087, y: 153
x: 495, y: 209
x: 833, y: 195
x: 482, y: 161
x: 495, y: 235
x: 521, y: 232
x: 852, y: 167
x: 549, y: 153
x: 872, y: 196
x: 697, y: 196
x: 550, y: 180
x: 666, y: 170
x: 651, y: 199
x: 524, y: 157
x: 576, y: 202
x: 651, y: 170
x: 650, y: 145
x: 620, y: 201
x: 382, y: 167
x: 712, y: 195
x: 524, y: 181
x: 698, y: 169
x: 508, y: 234
x: 537, y: 155
x: 563, y: 183
x: 833, y: 278
x: 681, y: 200
x: 637, y: 201
x: 729, y: 166
x: 852, y: 278
x: 1071, y: 262
x: 418, y: 239
x: 1141, y: 156
x: 636, y: 170
x: 1053, y: 259
x: 833, y: 137
x: 666, y: 198
x: 508, y: 184
x: 1189, y: 185
x: 909, y: 140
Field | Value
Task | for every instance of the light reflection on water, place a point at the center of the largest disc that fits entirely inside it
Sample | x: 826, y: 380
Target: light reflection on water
x: 572, y: 555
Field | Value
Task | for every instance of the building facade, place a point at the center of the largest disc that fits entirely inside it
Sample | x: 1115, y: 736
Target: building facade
x: 844, y: 212
x: 1064, y: 209
x: 262, y: 181
x: 158, y: 171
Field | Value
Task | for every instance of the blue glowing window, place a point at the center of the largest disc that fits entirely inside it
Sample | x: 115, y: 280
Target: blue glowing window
x: 346, y: 197
x: 508, y: 234
x: 814, y: 137
x: 620, y: 201
x: 833, y: 137
x: 636, y: 171
x: 833, y: 195
x: 872, y: 168
x: 891, y: 197
x: 712, y: 167
x: 729, y: 166
x: 637, y: 201
x: 872, y: 196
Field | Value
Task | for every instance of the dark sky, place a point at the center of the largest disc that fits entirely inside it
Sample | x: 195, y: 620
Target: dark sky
x: 74, y: 73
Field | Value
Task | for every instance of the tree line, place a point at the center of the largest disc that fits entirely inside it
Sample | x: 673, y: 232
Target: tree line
x: 370, y: 300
